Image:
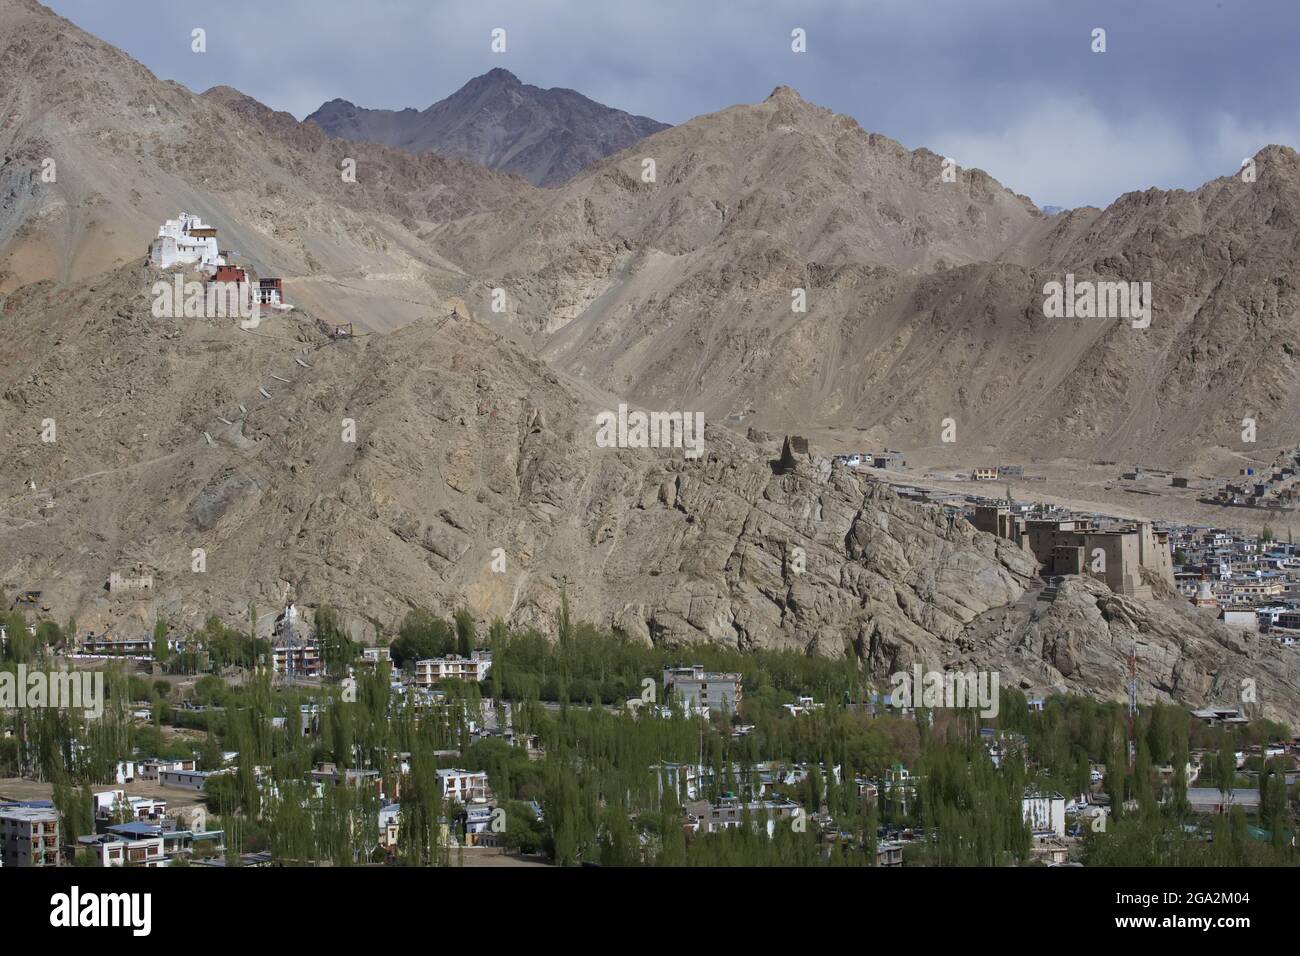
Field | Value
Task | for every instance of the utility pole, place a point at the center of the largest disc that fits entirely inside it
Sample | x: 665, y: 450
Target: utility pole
x: 1132, y: 703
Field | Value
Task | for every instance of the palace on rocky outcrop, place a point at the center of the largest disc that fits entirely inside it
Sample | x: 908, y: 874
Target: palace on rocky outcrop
x: 1133, y: 560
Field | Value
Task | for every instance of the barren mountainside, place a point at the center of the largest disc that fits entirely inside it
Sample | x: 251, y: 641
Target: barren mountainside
x: 673, y: 291
x: 473, y: 481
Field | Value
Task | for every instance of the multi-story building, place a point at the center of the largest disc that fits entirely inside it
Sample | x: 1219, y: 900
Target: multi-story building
x: 119, y: 849
x: 29, y: 836
x: 729, y: 813
x: 299, y: 659
x: 1044, y: 811
x: 1255, y: 590
x: 473, y: 668
x: 701, y: 690
x: 463, y: 786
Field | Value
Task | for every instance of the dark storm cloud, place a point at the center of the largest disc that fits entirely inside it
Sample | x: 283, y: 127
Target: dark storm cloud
x: 1185, y: 90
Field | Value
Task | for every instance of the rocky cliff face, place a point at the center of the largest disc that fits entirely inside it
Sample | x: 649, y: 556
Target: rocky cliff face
x: 1080, y: 640
x: 464, y: 446
x: 494, y: 120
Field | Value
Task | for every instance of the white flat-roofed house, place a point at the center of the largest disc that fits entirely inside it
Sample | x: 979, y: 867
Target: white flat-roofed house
x: 108, y: 804
x: 436, y: 669
x: 1044, y: 811
x: 150, y: 768
x: 377, y: 655
x: 463, y: 786
x: 186, y: 779
x: 115, y: 849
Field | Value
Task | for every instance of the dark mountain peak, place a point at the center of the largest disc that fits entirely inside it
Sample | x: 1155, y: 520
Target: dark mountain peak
x: 498, y: 75
x: 785, y: 93
x: 496, y: 120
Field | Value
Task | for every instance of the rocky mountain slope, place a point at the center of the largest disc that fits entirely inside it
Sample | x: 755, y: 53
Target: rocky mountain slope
x: 924, y: 292
x: 1081, y: 639
x: 924, y: 297
x: 475, y: 479
x: 494, y: 120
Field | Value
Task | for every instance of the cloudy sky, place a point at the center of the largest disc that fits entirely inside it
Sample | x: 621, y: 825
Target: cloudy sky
x: 1183, y: 92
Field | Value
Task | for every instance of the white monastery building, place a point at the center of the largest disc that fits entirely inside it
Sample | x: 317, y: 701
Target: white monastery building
x: 185, y: 241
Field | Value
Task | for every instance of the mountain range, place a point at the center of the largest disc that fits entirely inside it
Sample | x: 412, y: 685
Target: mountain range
x: 495, y: 318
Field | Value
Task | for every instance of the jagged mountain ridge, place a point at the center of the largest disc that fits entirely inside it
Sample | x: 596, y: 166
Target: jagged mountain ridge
x: 545, y: 135
x: 924, y: 296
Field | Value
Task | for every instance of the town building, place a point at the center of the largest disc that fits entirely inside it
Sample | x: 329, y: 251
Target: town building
x: 888, y: 460
x: 186, y: 779
x: 122, y: 849
x: 299, y: 659
x: 1216, y: 715
x: 434, y: 670
x: 889, y: 853
x: 150, y: 768
x: 700, y: 690
x: 729, y: 813
x: 329, y: 776
x: 1211, y: 800
x: 806, y: 705
x: 1244, y: 618
x: 376, y: 655
x: 113, y: 806
x: 1044, y: 811
x: 463, y: 786
x: 29, y: 836
x: 270, y: 291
